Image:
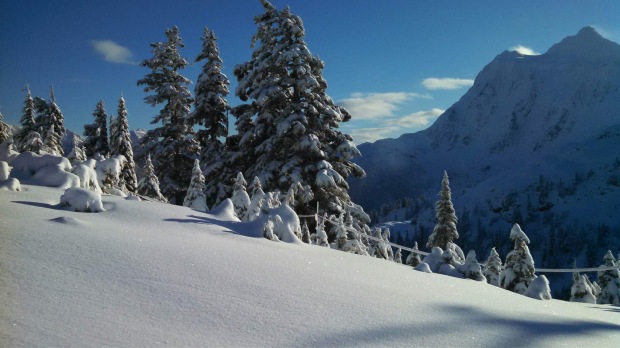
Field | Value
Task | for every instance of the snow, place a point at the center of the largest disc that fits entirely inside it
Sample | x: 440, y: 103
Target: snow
x: 82, y: 200
x: 5, y: 171
x: 152, y: 274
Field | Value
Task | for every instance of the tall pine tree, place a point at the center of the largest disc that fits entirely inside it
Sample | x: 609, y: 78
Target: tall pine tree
x: 4, y: 130
x: 120, y: 144
x: 27, y: 122
x: 171, y: 145
x: 97, y: 133
x: 518, y: 272
x: 288, y: 132
x: 211, y: 112
x: 55, y: 126
x: 445, y: 230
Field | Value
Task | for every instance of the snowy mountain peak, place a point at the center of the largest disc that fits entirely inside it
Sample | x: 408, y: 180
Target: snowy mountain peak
x: 586, y: 44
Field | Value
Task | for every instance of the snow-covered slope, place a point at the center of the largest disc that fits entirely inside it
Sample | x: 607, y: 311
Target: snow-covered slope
x: 151, y: 274
x: 535, y: 141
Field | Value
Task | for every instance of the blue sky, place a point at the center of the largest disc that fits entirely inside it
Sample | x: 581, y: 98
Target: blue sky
x: 394, y: 64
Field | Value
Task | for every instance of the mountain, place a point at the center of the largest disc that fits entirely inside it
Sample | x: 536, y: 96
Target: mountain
x: 535, y: 140
x: 144, y: 274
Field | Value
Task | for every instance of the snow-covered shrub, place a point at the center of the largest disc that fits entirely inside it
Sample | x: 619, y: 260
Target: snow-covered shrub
x: 7, y: 151
x: 493, y: 267
x: 5, y: 171
x: 398, y: 258
x: 224, y: 211
x: 471, y: 269
x: 413, y: 259
x: 28, y: 163
x: 305, y: 233
x: 321, y: 236
x: 268, y: 227
x: 581, y: 291
x: 88, y: 177
x: 423, y: 267
x: 108, y: 172
x: 434, y: 259
x: 288, y: 226
x: 11, y: 184
x: 539, y: 289
x: 609, y: 281
x: 55, y: 176
x: 82, y: 200
x: 440, y: 261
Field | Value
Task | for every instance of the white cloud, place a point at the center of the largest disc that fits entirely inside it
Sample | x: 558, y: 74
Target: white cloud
x: 364, y: 106
x: 113, y: 52
x: 370, y: 134
x: 417, y: 119
x: 446, y: 83
x: 524, y: 50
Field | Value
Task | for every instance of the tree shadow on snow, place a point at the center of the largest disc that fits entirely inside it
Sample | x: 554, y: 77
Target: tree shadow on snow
x: 608, y: 308
x: 228, y: 226
x: 466, y: 321
x: 38, y: 204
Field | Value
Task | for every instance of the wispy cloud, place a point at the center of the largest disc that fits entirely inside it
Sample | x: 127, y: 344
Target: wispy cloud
x: 113, y: 52
x: 395, y: 126
x: 433, y: 83
x: 524, y: 50
x: 365, y: 106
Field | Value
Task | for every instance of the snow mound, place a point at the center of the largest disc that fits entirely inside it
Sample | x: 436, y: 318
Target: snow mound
x: 68, y: 221
x: 423, y: 267
x: 44, y: 170
x: 82, y: 200
x: 7, y: 153
x: 225, y: 211
x: 11, y: 184
x: 29, y: 163
x: 88, y: 177
x: 539, y: 289
x: 55, y: 176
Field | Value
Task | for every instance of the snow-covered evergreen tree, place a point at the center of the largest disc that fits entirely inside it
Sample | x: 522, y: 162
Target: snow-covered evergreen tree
x: 321, y: 236
x: 171, y: 145
x: 493, y: 268
x: 4, y: 130
x: 27, y: 122
x: 340, y: 231
x: 398, y: 257
x: 149, y: 184
x: 41, y: 119
x: 471, y: 267
x: 581, y: 291
x: 288, y: 132
x: 211, y: 108
x: 77, y: 153
x: 305, y: 233
x: 195, y: 197
x: 96, y: 134
x: 35, y: 144
x: 609, y: 281
x: 55, y: 126
x: 518, y: 272
x: 120, y: 144
x: 445, y: 230
x: 240, y: 198
x: 414, y: 258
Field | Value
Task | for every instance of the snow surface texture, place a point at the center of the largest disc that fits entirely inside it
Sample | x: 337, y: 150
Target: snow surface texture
x: 151, y: 274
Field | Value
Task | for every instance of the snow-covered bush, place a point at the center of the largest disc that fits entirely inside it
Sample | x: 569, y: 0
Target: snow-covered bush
x: 11, y: 184
x: 28, y: 163
x: 44, y: 170
x: 82, y: 200
x: 413, y: 259
x: 195, y: 197
x: 321, y: 236
x: 288, y: 227
x: 609, y: 281
x: 5, y: 171
x: 423, y: 267
x: 7, y: 151
x: 108, y: 172
x: 539, y: 289
x: 493, y: 267
x: 471, y: 269
x: 240, y: 197
x: 581, y: 291
x: 88, y: 177
x: 268, y: 227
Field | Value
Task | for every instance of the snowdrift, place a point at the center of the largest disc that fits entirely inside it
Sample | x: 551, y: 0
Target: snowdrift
x: 150, y: 274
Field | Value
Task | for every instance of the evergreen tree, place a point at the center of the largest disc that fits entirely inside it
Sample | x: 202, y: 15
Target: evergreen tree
x: 445, y: 230
x: 171, y: 145
x: 471, y: 267
x: 211, y: 108
x: 5, y: 132
x: 340, y: 232
x: 41, y: 119
x: 97, y: 133
x: 149, y: 184
x: 493, y: 268
x: 195, y: 197
x: 77, y: 153
x: 35, y: 144
x: 120, y: 144
x: 518, y: 272
x: 27, y: 122
x: 609, y: 281
x: 288, y: 133
x: 581, y: 291
x: 240, y: 198
x: 55, y: 126
x: 321, y: 236
x: 305, y: 233
x: 414, y: 258
x: 398, y: 258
